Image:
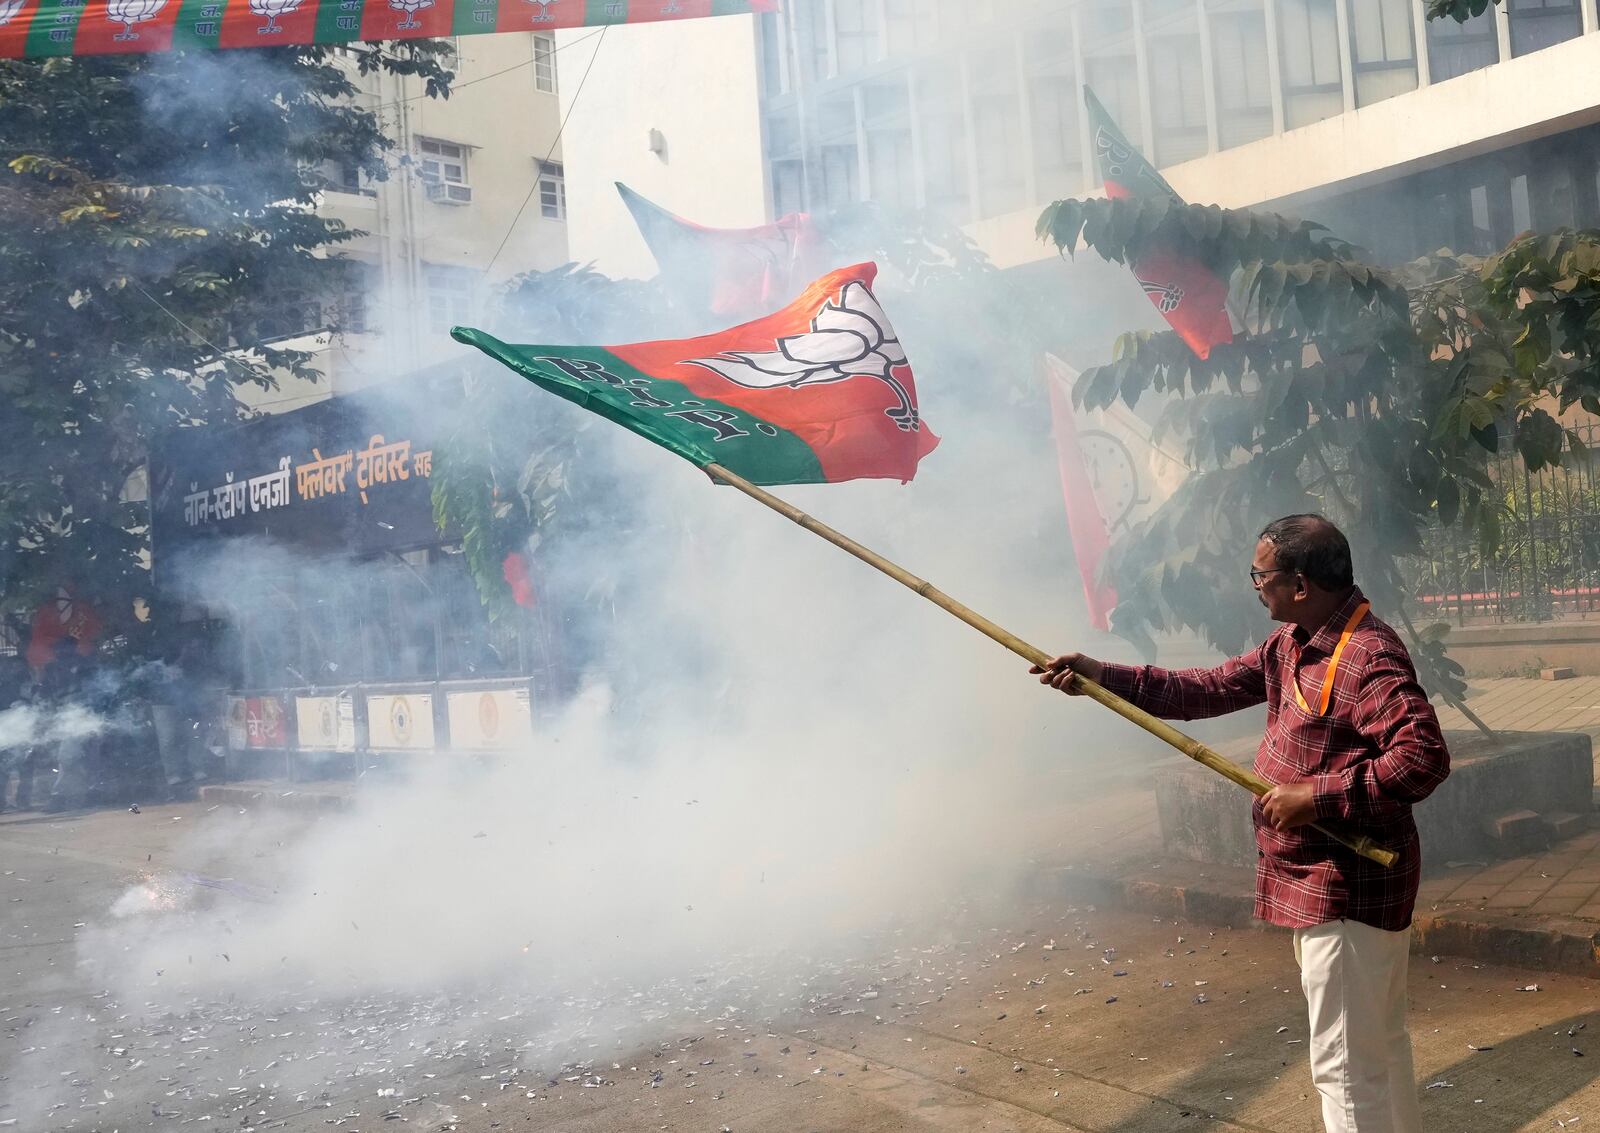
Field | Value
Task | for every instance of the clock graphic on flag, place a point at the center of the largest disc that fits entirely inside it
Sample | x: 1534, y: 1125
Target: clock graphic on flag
x: 1113, y: 476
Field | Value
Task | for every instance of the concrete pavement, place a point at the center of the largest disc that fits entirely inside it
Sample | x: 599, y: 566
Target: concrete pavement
x: 1047, y: 1014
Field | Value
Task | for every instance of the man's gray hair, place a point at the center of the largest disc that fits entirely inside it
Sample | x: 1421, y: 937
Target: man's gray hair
x: 1308, y: 544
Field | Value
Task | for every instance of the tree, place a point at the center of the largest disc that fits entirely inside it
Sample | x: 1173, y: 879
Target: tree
x: 1374, y: 396
x: 159, y: 237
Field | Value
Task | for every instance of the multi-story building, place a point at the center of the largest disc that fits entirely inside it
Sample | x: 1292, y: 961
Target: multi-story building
x: 1402, y: 133
x: 475, y: 194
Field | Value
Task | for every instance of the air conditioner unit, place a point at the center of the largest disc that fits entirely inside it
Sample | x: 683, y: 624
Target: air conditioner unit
x: 449, y: 193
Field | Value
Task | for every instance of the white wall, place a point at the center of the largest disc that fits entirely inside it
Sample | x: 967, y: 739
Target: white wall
x: 695, y: 82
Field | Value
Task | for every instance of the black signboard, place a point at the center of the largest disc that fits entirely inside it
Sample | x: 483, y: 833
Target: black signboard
x: 352, y: 474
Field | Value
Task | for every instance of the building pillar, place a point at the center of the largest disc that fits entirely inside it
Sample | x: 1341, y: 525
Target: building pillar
x: 1347, y: 76
x: 1419, y: 32
x: 1502, y: 29
x: 1269, y: 9
x: 863, y: 166
x: 1209, y: 76
x: 1030, y: 172
x: 1141, y: 60
x: 920, y: 177
x: 1091, y: 181
x: 969, y: 123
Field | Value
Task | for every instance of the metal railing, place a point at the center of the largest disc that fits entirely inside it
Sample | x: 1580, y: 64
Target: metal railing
x: 1547, y: 566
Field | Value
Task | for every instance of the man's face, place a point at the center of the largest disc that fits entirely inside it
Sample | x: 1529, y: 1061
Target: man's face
x: 1276, y: 588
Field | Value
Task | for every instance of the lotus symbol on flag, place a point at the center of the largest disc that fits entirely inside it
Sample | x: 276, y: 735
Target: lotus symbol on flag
x: 272, y: 9
x: 543, y: 16
x: 410, y: 8
x: 9, y: 10
x: 848, y: 339
x: 130, y: 12
x: 1165, y: 296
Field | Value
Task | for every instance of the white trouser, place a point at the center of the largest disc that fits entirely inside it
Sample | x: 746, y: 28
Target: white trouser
x: 1354, y: 977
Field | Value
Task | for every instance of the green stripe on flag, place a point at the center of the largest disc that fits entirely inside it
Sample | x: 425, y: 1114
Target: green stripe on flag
x: 338, y: 21
x: 199, y: 26
x: 474, y: 17
x: 597, y: 12
x: 659, y: 409
x: 54, y: 28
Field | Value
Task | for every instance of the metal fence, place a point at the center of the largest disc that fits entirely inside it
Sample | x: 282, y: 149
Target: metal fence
x: 1548, y: 563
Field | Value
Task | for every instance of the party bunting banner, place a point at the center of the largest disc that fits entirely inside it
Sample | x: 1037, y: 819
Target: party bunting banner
x: 816, y: 393
x: 42, y: 28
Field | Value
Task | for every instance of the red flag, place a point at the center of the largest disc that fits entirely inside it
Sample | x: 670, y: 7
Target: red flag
x: 56, y: 620
x: 514, y: 568
x: 732, y: 272
x: 1190, y: 296
x: 1085, y: 521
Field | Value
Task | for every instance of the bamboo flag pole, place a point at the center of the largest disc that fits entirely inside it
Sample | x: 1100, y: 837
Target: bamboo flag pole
x: 1157, y: 727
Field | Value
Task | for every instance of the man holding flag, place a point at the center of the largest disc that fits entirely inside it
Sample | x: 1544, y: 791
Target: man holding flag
x: 1350, y: 738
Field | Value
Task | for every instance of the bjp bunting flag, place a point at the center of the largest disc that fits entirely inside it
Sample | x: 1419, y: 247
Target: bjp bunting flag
x: 818, y: 392
x: 728, y: 271
x: 1190, y: 296
x: 45, y: 28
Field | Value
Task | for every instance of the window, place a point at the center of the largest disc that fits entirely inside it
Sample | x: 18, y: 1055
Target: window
x: 1053, y: 102
x: 855, y: 25
x: 944, y: 144
x: 788, y: 174
x: 997, y: 129
x: 552, y: 190
x: 350, y: 310
x: 452, y: 294
x: 1177, y: 98
x: 1455, y: 49
x: 442, y: 161
x: 913, y: 25
x: 1382, y: 51
x: 891, y: 164
x: 770, y: 34
x: 838, y: 180
x: 1521, y: 209
x: 1537, y: 24
x: 346, y: 177
x: 1312, y: 90
x: 544, y: 64
x: 1244, y: 88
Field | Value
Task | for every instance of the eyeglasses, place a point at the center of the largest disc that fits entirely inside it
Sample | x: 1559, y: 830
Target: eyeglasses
x: 1258, y: 576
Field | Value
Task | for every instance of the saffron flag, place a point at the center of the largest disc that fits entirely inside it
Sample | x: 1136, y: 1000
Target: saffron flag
x: 1086, y: 521
x: 43, y: 28
x: 728, y: 271
x: 818, y: 392
x: 1190, y: 296
x: 56, y: 620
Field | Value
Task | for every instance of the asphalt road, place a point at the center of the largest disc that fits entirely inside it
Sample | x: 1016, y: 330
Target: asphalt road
x: 1053, y: 1016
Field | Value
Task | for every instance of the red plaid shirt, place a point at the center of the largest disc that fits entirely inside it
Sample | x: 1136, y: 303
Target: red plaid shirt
x: 1376, y: 752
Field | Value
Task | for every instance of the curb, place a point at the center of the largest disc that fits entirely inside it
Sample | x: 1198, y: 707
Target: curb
x: 1546, y: 943
x: 276, y: 798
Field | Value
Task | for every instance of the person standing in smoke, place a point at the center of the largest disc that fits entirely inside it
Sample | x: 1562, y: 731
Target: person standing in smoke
x: 16, y: 688
x: 63, y: 678
x: 175, y: 713
x: 1351, y: 738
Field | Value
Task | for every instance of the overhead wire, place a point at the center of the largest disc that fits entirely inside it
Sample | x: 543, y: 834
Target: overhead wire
x: 571, y: 106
